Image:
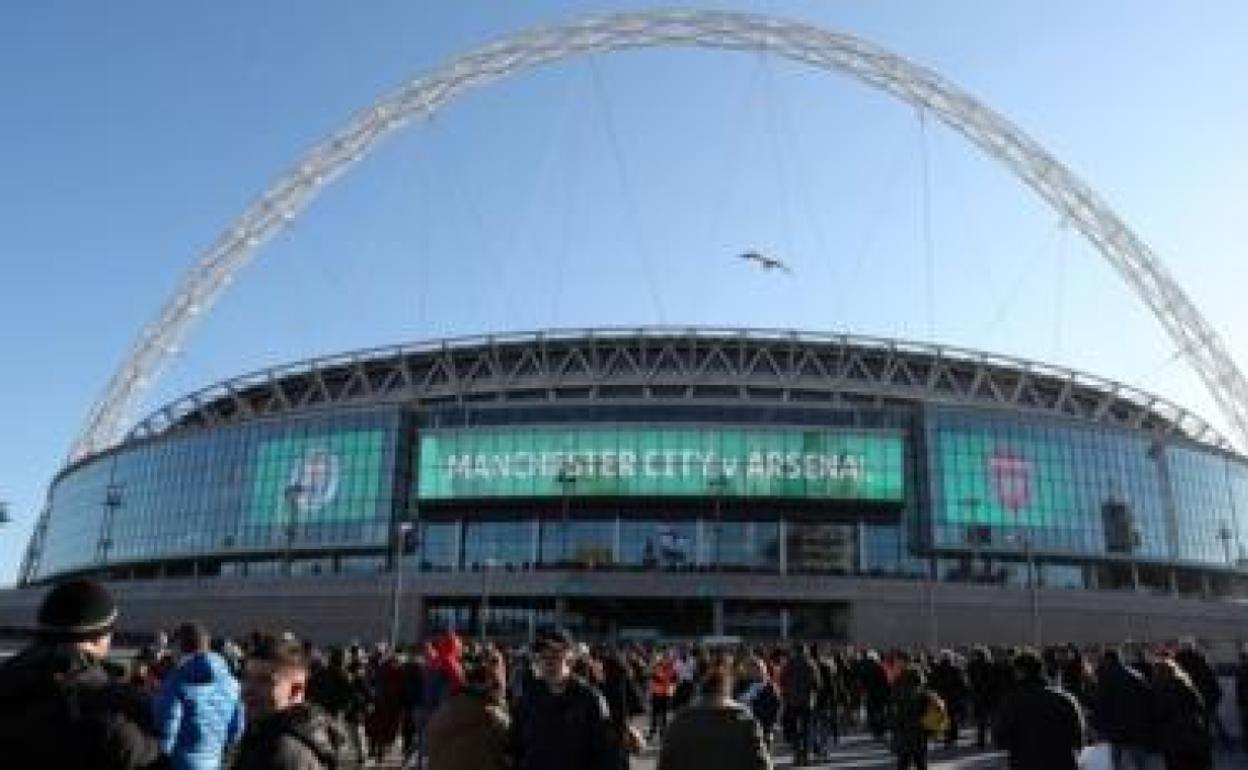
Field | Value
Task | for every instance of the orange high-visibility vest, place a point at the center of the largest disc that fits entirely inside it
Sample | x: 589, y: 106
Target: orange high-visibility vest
x: 663, y: 680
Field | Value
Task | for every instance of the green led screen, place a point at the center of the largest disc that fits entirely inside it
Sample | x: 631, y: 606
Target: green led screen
x: 661, y: 462
x: 329, y: 477
x: 991, y: 480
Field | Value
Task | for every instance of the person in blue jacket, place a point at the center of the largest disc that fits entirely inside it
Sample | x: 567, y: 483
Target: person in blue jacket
x: 199, y: 711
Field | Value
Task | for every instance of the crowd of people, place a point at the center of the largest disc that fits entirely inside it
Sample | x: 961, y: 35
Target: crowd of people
x: 273, y: 701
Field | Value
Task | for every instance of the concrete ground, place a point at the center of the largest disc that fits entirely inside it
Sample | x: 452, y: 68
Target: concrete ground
x: 860, y: 752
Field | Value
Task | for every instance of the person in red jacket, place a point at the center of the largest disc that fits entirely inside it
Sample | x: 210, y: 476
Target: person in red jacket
x: 446, y: 671
x: 662, y: 688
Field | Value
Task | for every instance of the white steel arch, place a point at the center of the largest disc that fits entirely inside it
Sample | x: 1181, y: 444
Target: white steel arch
x: 821, y: 48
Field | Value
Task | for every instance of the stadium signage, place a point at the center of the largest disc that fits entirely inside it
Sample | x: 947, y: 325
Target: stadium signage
x: 654, y: 464
x: 529, y: 462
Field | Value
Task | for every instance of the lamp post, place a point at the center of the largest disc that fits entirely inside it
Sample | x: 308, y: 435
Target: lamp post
x: 717, y: 483
x: 929, y: 580
x: 4, y: 513
x: 975, y: 532
x: 397, y: 590
x: 1226, y: 535
x: 567, y: 480
x: 1029, y: 556
x: 112, y: 501
x: 293, y: 491
x: 486, y: 566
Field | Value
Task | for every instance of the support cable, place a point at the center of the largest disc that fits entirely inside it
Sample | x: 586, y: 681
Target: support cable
x: 494, y: 266
x: 1059, y: 300
x: 777, y: 159
x: 929, y: 266
x: 1026, y: 272
x: 882, y: 204
x: 570, y: 198
x: 736, y: 149
x: 792, y: 138
x: 630, y: 201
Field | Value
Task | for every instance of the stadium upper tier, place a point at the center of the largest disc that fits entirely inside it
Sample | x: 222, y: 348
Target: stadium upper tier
x: 697, y: 364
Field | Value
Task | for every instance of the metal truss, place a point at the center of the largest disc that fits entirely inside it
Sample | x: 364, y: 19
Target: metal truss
x: 675, y: 365
x: 832, y: 51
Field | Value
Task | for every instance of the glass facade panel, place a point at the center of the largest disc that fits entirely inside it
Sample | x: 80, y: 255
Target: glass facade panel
x: 506, y: 544
x: 578, y: 543
x: 440, y: 546
x: 1001, y: 482
x: 1097, y: 506
x: 746, y: 546
x: 1204, y: 489
x: 299, y: 484
x: 659, y: 544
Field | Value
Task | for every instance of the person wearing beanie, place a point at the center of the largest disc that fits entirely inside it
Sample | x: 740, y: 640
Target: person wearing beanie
x: 58, y: 706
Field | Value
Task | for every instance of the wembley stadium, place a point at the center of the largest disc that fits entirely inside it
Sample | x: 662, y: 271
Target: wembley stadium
x: 663, y: 482
x: 668, y: 483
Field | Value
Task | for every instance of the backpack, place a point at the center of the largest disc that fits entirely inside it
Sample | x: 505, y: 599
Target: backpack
x: 935, y: 718
x: 766, y: 704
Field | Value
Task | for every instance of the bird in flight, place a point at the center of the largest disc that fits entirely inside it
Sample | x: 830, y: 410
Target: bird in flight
x: 765, y: 262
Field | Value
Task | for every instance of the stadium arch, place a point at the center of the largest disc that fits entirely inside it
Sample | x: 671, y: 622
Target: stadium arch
x: 824, y: 49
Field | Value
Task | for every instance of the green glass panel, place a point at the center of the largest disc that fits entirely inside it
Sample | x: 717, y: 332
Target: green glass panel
x: 1001, y: 481
x: 316, y: 478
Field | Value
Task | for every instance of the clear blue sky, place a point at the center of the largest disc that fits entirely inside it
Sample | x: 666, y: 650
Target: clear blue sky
x: 133, y: 133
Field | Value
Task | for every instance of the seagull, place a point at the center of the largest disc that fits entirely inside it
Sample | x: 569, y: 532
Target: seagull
x: 765, y: 262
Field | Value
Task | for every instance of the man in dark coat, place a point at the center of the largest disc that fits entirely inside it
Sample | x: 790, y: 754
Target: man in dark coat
x: 985, y: 691
x: 1040, y: 727
x: 1122, y: 711
x: 561, y: 722
x: 1181, y: 719
x: 827, y: 725
x: 799, y: 683
x: 949, y: 681
x: 875, y: 690
x: 58, y: 706
x: 284, y: 732
x: 714, y: 731
x: 1192, y: 660
x: 911, y: 701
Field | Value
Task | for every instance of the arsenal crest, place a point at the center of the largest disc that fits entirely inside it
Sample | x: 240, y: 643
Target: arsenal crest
x: 1011, y: 480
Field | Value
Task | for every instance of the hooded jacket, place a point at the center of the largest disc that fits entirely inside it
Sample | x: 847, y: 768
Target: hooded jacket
x: 570, y: 730
x: 1123, y: 704
x: 58, y: 709
x: 1040, y: 727
x: 469, y: 732
x: 718, y: 734
x: 199, y: 712
x: 302, y: 737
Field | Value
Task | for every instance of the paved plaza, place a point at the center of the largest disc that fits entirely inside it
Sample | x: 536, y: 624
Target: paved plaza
x: 860, y: 752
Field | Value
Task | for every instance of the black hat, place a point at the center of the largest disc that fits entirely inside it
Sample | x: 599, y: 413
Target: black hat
x: 553, y: 637
x: 79, y: 609
x: 1028, y: 663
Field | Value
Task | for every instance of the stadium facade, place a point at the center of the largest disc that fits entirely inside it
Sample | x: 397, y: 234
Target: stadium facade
x: 673, y: 482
